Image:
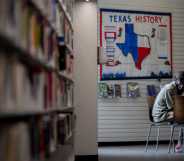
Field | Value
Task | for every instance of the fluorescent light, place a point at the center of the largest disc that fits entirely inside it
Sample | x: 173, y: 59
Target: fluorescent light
x: 87, y: 0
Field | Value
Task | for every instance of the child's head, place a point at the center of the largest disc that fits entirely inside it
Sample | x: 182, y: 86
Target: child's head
x: 180, y: 82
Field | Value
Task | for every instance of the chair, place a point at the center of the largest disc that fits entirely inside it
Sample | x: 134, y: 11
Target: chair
x: 150, y: 101
x: 178, y: 118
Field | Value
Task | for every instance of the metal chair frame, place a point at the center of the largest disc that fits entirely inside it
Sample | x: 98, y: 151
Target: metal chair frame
x: 178, y: 118
x: 151, y: 100
x: 158, y: 126
x: 174, y: 126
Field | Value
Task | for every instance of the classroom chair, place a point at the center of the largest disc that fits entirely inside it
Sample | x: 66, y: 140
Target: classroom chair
x: 178, y: 118
x: 150, y: 101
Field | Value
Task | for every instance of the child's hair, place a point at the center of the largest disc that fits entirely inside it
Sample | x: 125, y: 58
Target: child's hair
x: 180, y: 77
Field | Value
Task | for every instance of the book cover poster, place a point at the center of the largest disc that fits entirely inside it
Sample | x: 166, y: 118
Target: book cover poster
x: 134, y: 44
x: 133, y: 90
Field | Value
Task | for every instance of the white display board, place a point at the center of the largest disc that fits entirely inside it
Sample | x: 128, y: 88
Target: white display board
x: 134, y: 44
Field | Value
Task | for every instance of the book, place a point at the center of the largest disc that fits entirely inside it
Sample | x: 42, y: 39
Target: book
x: 14, y: 142
x: 24, y: 26
x: 34, y: 128
x: 3, y: 60
x: 133, y: 90
x: 62, y: 129
x: 117, y: 88
x: 11, y: 99
x: 33, y: 34
x: 3, y: 16
x: 69, y: 95
x: 60, y: 22
x: 23, y: 142
x: 103, y: 90
x: 110, y: 90
x: 53, y: 135
x: 152, y: 90
x: 4, y: 128
x: 46, y: 128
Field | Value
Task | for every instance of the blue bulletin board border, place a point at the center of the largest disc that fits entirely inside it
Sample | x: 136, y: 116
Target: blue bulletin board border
x: 137, y: 12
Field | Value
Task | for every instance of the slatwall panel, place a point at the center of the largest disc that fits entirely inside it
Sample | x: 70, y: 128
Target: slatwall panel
x: 127, y: 119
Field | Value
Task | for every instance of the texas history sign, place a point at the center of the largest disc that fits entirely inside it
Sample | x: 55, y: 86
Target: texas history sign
x: 134, y: 44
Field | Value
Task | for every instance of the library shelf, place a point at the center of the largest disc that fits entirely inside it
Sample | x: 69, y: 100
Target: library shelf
x: 65, y: 109
x: 8, y: 46
x: 19, y: 116
x: 63, y: 153
x: 32, y: 68
x: 66, y: 76
x: 22, y: 115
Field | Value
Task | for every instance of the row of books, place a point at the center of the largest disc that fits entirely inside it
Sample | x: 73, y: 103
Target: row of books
x: 66, y: 61
x: 65, y: 127
x: 31, y: 89
x: 15, y: 142
x: 36, y: 139
x: 48, y: 9
x: 53, y: 10
x: 109, y: 90
x: 66, y: 94
x: 68, y: 36
x: 132, y: 90
x: 64, y: 29
x: 69, y: 4
x: 27, y: 28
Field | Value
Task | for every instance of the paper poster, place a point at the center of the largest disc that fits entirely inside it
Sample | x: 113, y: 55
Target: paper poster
x: 134, y: 44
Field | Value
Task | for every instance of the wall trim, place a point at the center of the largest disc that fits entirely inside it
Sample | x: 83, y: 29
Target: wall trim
x: 86, y: 157
x: 127, y: 143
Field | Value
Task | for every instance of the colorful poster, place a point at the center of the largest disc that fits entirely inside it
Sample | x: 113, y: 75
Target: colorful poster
x: 134, y: 44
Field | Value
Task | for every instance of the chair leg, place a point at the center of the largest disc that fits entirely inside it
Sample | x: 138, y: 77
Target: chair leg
x: 171, y: 138
x: 180, y: 137
x: 173, y: 144
x: 158, y: 135
x: 148, y: 136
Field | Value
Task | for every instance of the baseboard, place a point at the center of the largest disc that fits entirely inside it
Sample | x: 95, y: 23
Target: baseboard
x: 86, y: 157
x: 127, y: 143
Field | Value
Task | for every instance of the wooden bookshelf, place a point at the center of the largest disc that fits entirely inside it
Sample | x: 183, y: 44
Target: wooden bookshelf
x: 26, y: 114
x: 34, y: 91
x: 8, y: 46
x: 66, y: 109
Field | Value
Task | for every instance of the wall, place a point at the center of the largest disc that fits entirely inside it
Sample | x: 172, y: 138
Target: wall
x: 126, y: 119
x: 85, y: 46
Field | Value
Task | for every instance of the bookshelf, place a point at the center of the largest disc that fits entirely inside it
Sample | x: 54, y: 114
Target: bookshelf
x: 36, y: 79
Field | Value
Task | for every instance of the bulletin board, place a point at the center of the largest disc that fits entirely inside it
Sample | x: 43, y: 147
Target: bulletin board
x: 134, y: 44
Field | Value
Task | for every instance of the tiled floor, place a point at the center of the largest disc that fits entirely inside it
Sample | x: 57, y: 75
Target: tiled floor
x: 137, y: 153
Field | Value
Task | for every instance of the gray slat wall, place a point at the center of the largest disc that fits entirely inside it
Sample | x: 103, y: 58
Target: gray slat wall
x: 127, y: 119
